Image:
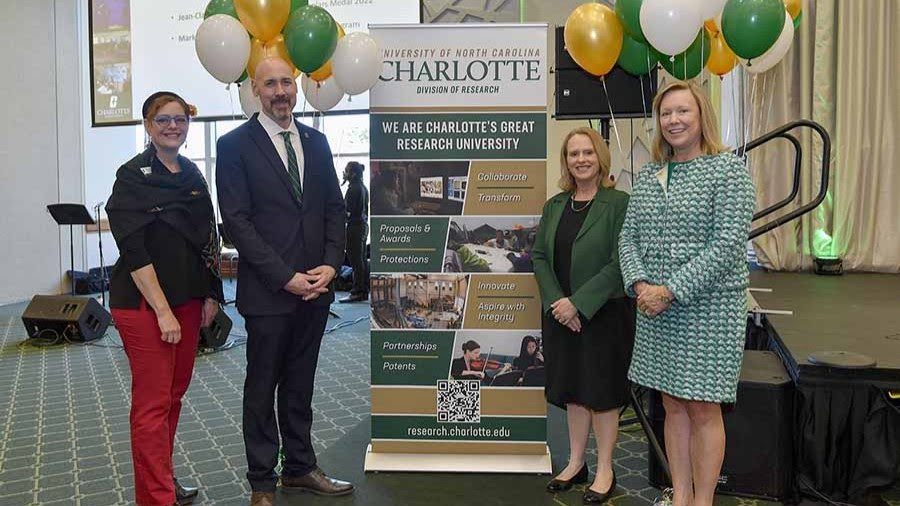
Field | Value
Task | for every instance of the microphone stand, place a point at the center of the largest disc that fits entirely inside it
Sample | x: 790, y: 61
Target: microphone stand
x: 100, y: 246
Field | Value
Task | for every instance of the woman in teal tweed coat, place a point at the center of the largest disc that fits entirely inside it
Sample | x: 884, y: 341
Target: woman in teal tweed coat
x: 683, y: 255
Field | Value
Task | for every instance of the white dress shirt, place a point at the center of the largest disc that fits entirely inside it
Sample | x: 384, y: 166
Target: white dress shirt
x: 274, y: 130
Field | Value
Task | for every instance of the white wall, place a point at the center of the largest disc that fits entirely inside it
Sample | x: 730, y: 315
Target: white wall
x: 40, y: 143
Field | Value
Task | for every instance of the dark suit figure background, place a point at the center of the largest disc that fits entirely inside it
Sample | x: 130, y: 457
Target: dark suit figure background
x: 282, y: 207
x: 356, y: 200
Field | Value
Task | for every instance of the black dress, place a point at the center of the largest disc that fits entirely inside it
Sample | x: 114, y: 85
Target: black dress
x: 589, y: 368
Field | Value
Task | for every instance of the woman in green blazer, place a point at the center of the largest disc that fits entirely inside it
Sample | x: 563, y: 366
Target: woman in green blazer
x: 588, y: 322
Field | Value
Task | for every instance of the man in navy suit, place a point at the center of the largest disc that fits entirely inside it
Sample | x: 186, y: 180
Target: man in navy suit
x: 283, y: 210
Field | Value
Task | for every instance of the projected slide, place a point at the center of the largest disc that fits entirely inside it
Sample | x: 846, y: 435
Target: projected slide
x: 142, y: 46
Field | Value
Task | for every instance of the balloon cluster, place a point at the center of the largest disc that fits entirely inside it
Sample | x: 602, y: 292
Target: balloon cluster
x: 238, y: 34
x: 682, y: 36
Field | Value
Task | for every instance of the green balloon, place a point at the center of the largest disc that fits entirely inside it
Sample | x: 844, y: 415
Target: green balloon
x: 636, y: 57
x: 296, y: 4
x: 220, y: 7
x: 629, y: 13
x: 797, y: 21
x: 310, y: 36
x: 687, y: 65
x: 244, y: 76
x: 751, y: 27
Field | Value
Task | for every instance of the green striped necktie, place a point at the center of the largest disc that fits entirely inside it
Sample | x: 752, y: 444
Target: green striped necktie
x: 293, y: 167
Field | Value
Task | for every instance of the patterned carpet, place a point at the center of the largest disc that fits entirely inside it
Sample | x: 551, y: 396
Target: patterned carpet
x: 64, y: 429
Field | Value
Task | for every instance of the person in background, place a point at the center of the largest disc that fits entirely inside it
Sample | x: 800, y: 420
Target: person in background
x: 283, y: 210
x: 164, y: 287
x: 356, y: 200
x: 588, y: 322
x: 684, y: 257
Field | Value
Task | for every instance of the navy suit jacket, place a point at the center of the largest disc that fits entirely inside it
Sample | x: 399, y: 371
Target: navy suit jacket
x: 275, y: 234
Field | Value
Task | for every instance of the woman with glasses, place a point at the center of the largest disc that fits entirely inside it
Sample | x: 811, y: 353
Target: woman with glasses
x: 164, y: 288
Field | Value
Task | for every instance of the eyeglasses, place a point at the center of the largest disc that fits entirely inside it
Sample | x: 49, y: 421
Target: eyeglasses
x: 165, y: 120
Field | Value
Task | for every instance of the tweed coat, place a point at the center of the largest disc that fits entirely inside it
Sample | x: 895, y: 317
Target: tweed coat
x: 686, y: 228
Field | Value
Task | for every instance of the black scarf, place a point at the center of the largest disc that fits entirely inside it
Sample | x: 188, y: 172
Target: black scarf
x: 182, y: 200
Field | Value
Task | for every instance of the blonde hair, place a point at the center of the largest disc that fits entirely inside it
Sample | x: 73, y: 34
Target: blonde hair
x: 710, y: 139
x: 566, y: 181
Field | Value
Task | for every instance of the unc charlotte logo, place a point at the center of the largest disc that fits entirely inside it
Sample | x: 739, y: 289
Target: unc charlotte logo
x: 113, y: 101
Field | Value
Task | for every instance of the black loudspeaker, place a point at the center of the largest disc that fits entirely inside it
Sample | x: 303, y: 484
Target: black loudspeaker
x: 580, y: 95
x: 759, y: 432
x: 63, y: 317
x: 216, y: 334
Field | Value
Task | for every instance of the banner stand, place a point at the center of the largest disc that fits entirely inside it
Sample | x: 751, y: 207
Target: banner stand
x: 458, y: 160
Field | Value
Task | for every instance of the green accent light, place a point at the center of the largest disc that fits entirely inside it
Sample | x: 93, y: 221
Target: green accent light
x: 823, y: 244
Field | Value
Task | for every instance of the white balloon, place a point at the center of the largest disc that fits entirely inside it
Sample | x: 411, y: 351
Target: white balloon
x: 322, y: 96
x: 356, y: 63
x: 250, y: 103
x: 670, y: 25
x: 775, y: 53
x: 223, y: 47
x: 709, y: 9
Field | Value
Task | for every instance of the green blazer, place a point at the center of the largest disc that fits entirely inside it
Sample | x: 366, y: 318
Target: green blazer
x: 595, y: 276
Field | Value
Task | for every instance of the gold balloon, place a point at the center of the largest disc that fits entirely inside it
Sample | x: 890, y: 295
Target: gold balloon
x: 711, y: 27
x: 264, y: 19
x: 260, y: 50
x: 593, y: 37
x: 721, y: 58
x: 324, y: 72
x: 793, y: 7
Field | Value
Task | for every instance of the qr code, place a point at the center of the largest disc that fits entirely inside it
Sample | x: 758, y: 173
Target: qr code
x: 459, y: 401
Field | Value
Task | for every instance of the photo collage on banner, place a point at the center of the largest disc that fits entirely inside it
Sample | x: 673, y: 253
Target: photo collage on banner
x: 458, y: 179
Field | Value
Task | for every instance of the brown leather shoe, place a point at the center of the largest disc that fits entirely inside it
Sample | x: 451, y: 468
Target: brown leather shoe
x: 317, y: 483
x: 262, y: 499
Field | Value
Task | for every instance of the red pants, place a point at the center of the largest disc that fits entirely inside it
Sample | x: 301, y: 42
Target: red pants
x: 160, y: 374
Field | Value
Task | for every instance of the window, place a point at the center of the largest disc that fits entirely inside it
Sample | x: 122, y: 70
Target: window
x: 348, y: 136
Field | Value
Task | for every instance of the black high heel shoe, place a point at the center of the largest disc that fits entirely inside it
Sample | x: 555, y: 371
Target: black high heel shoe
x: 184, y: 495
x: 591, y: 497
x: 557, y: 485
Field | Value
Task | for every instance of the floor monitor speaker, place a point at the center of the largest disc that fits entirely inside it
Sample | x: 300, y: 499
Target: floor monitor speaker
x: 65, y: 317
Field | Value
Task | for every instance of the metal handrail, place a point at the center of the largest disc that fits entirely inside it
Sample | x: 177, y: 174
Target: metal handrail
x: 795, y: 189
x: 782, y: 132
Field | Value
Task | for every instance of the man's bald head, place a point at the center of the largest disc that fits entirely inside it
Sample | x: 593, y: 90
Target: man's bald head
x: 276, y: 88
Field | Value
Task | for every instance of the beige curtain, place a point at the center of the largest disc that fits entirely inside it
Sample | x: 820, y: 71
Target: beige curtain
x: 841, y: 72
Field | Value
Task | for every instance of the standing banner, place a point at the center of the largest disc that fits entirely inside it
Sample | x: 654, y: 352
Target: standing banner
x: 458, y: 150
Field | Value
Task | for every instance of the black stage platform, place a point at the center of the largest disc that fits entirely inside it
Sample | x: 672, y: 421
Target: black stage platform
x: 846, y: 426
x: 858, y: 313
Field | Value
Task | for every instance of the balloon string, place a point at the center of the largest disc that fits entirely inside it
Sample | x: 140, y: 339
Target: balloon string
x: 231, y: 99
x: 731, y: 120
x: 613, y: 120
x: 772, y: 96
x: 748, y: 126
x: 734, y: 109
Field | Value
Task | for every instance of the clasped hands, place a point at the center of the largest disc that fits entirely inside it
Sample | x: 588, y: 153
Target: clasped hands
x: 652, y: 299
x: 312, y: 283
x: 566, y: 314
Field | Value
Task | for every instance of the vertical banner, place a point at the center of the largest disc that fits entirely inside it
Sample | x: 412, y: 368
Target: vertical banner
x: 458, y: 138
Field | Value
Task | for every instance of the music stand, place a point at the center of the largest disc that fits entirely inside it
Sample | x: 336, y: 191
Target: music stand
x: 71, y: 215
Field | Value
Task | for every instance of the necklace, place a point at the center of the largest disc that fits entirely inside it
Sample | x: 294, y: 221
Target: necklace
x: 582, y: 208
